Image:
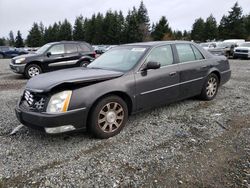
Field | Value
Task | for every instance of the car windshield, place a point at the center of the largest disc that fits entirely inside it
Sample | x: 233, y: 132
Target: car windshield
x: 245, y: 44
x: 43, y: 49
x: 224, y: 45
x: 120, y: 58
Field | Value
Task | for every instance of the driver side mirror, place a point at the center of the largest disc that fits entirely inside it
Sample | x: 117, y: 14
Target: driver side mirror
x: 48, y: 54
x: 152, y: 65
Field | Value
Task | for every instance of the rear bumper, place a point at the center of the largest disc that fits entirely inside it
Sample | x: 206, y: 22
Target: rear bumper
x: 17, y: 68
x: 225, y: 76
x: 40, y: 121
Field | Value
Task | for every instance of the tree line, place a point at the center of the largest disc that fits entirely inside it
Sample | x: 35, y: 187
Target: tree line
x: 114, y: 28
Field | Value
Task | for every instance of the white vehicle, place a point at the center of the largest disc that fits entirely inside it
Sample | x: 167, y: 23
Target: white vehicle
x: 238, y: 42
x: 208, y: 45
x: 243, y: 51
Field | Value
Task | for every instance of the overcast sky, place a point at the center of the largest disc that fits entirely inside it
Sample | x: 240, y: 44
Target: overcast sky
x: 20, y: 14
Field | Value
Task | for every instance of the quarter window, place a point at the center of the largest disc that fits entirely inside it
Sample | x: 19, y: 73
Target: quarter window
x: 71, y: 48
x: 84, y: 48
x: 197, y: 53
x: 57, y: 49
x: 162, y: 55
x: 185, y: 52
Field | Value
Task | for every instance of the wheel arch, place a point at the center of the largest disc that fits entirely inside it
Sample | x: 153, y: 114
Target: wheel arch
x: 34, y: 63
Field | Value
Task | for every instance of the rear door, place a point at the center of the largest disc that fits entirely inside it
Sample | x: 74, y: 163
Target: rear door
x: 159, y: 86
x: 191, y: 74
x: 72, y: 55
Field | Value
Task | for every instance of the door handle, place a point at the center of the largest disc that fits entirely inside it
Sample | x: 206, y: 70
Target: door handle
x: 204, y: 66
x: 172, y: 73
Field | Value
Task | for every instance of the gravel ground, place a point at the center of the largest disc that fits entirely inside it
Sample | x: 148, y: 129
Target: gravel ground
x: 191, y: 143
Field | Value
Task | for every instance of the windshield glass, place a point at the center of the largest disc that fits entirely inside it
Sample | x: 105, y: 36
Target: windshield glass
x: 245, y: 44
x: 120, y: 58
x: 43, y: 49
x: 224, y: 45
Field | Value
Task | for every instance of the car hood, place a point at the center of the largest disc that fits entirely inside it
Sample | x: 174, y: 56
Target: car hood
x: 25, y: 56
x: 242, y: 48
x: 45, y: 82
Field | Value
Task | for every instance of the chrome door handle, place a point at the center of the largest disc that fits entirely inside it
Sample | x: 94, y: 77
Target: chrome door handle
x: 172, y: 73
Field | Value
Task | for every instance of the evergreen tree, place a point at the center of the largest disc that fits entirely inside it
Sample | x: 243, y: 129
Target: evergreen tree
x: 42, y: 30
x: 246, y: 21
x: 177, y: 35
x: 131, y: 30
x: 232, y: 26
x: 143, y: 20
x: 34, y: 38
x: 78, y: 30
x: 211, y: 30
x: 2, y: 41
x: 89, y: 25
x: 98, y: 32
x: 198, y: 30
x: 65, y: 30
x: 19, y: 40
x: 162, y: 31
x: 11, y: 39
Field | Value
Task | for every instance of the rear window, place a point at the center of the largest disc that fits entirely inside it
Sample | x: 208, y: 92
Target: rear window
x: 185, y: 52
x: 71, y: 48
x: 85, y: 47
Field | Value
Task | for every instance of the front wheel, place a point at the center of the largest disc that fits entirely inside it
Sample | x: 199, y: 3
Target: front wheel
x: 210, y: 88
x: 32, y: 70
x: 108, y: 117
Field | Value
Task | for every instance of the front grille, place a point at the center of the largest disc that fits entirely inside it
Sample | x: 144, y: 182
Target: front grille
x: 242, y: 51
x: 33, y: 101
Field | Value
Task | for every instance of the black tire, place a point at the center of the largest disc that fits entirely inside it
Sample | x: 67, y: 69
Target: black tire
x: 28, y: 71
x: 84, y: 63
x: 117, y: 114
x: 209, y: 90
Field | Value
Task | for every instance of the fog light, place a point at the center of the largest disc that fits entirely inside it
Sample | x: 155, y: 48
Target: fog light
x: 61, y: 129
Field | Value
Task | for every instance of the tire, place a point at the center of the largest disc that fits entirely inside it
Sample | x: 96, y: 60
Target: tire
x: 1, y: 56
x: 108, y: 117
x: 32, y: 70
x: 210, y: 88
x: 84, y: 63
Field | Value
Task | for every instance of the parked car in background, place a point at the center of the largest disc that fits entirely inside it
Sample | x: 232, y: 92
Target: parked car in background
x: 53, y: 56
x: 208, y: 45
x: 126, y: 79
x: 237, y: 42
x: 243, y: 51
x: 223, y: 48
x: 9, y: 52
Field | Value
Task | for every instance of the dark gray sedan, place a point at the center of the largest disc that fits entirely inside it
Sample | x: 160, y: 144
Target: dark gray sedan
x: 125, y: 80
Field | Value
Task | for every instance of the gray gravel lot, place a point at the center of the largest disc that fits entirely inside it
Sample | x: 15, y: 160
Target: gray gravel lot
x: 191, y: 143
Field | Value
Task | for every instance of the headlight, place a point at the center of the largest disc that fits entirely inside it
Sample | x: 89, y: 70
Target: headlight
x: 59, y: 102
x: 21, y: 60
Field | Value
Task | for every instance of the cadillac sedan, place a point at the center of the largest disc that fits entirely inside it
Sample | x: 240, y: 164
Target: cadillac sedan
x: 125, y: 80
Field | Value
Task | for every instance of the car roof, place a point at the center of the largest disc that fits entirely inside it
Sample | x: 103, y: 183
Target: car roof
x: 157, y: 43
x: 65, y: 42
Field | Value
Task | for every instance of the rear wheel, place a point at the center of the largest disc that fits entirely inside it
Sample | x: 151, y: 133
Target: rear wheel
x: 32, y: 70
x: 84, y: 63
x: 210, y: 88
x: 108, y: 117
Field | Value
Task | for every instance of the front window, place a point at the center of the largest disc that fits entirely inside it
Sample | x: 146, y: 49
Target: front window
x: 43, y: 49
x: 57, y: 49
x: 120, y: 58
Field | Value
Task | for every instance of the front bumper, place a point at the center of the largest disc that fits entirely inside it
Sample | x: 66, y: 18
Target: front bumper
x: 241, y: 55
x: 40, y: 121
x: 17, y: 68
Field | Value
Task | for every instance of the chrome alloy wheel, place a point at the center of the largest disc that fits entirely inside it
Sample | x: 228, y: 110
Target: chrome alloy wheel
x: 211, y: 87
x: 33, y: 71
x: 111, y: 117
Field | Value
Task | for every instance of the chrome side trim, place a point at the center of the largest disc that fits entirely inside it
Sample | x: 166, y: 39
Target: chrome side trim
x: 56, y: 113
x: 72, y: 62
x: 151, y: 91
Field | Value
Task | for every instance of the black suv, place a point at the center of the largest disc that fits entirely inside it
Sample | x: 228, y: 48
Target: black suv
x: 53, y: 56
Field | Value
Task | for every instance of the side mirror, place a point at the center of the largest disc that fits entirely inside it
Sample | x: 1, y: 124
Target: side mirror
x: 152, y: 65
x: 48, y: 54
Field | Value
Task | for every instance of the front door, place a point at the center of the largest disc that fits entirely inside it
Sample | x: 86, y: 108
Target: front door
x: 159, y: 86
